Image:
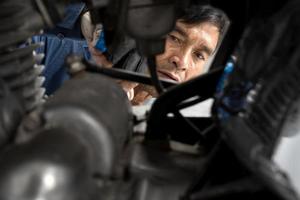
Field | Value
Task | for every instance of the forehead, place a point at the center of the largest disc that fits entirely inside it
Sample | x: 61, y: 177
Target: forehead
x: 204, y: 33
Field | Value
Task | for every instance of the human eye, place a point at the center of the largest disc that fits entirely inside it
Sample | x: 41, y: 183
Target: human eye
x: 200, y: 56
x: 174, y: 38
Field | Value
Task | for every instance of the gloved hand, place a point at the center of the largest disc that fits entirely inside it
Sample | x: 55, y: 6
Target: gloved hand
x: 92, y: 34
x: 123, y: 56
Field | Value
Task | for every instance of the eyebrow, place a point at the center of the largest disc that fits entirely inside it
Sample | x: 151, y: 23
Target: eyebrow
x: 207, y: 50
x: 180, y: 31
x: 204, y: 48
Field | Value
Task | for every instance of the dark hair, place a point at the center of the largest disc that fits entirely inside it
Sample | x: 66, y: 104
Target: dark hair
x: 196, y: 14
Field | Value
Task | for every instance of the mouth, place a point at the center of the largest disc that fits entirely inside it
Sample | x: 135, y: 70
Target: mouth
x: 167, y: 75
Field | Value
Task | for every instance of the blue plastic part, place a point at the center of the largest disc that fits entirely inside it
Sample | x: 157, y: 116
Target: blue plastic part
x: 100, y: 45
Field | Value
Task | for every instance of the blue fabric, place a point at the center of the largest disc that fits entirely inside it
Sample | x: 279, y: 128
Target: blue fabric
x: 63, y: 40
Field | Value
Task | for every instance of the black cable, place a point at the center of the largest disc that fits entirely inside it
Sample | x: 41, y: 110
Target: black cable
x: 206, y: 171
x: 125, y: 75
x: 247, y: 185
x: 152, y: 69
x: 191, y: 125
x: 192, y: 102
x: 206, y: 131
x: 168, y: 101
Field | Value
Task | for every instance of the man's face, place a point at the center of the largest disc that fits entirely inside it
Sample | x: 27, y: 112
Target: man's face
x: 187, y: 49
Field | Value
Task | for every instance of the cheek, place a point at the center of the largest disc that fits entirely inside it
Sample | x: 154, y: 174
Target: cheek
x: 159, y: 60
x: 162, y: 59
x: 194, y: 71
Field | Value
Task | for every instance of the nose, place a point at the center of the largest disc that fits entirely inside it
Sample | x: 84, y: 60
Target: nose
x: 179, y: 61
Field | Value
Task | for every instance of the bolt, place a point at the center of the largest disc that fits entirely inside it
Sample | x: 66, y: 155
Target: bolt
x: 75, y: 64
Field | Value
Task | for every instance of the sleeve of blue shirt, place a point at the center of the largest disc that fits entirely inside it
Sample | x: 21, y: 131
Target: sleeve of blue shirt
x: 58, y: 43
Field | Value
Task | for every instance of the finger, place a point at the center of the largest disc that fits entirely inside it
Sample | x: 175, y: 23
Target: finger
x: 99, y: 58
x: 127, y: 85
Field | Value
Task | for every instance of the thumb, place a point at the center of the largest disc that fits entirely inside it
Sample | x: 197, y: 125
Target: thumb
x: 127, y: 85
